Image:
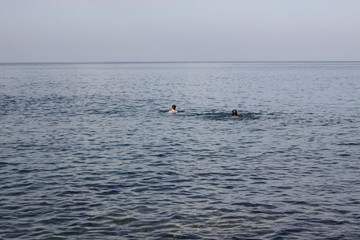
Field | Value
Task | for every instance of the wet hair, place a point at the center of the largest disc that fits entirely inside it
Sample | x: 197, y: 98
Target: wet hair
x: 173, y: 107
x: 234, y: 112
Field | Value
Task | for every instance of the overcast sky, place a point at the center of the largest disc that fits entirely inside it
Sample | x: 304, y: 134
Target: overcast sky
x: 179, y: 30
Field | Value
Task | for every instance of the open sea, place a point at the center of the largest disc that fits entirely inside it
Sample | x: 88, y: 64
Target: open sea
x: 89, y: 151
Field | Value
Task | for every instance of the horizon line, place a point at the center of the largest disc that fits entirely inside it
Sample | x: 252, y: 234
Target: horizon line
x: 154, y: 62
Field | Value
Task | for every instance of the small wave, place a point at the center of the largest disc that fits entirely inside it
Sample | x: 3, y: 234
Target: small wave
x: 214, y: 115
x: 349, y: 144
x: 178, y: 236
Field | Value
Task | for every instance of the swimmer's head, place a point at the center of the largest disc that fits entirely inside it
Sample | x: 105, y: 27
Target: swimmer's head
x: 234, y: 112
x: 173, y: 107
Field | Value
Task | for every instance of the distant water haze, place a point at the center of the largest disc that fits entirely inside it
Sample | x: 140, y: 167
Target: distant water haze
x: 186, y: 30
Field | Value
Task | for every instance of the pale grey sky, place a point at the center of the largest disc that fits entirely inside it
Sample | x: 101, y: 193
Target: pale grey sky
x: 179, y: 30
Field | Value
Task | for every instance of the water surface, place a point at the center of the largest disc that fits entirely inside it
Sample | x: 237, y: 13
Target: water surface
x: 88, y: 151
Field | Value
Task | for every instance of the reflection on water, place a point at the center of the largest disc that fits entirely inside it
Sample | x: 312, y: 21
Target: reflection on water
x: 88, y: 151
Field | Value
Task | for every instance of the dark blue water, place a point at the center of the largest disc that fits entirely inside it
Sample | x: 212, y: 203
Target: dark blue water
x: 88, y: 151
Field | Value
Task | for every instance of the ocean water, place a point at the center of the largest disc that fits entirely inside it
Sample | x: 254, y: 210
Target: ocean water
x: 88, y: 151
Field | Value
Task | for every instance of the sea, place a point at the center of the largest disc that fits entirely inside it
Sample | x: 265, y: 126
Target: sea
x: 89, y: 150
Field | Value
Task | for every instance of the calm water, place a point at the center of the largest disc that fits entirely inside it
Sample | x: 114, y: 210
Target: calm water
x: 88, y: 151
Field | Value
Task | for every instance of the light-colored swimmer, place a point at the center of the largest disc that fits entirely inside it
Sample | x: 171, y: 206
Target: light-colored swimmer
x: 173, y: 109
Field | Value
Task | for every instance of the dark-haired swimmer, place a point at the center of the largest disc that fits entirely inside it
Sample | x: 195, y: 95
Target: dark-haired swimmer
x: 234, y: 113
x: 173, y: 109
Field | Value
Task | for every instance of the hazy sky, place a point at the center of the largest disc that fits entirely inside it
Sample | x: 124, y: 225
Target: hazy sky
x: 179, y: 30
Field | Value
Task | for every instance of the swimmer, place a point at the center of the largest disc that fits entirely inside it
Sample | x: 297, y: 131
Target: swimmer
x: 234, y: 113
x: 173, y: 109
